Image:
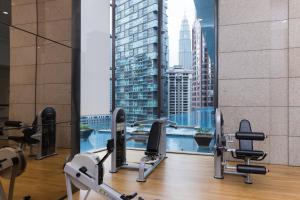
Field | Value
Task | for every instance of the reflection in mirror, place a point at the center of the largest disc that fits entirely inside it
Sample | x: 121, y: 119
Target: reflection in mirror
x: 5, y: 12
x: 39, y: 77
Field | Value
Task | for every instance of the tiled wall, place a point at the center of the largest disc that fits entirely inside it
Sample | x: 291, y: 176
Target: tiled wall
x: 41, y: 66
x: 294, y: 82
x: 259, y: 72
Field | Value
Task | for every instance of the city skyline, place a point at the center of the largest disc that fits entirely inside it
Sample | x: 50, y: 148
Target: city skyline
x: 136, y: 61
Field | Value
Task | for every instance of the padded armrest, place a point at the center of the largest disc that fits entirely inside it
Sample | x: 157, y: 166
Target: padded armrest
x: 250, y: 136
x: 252, y: 154
x: 247, y: 153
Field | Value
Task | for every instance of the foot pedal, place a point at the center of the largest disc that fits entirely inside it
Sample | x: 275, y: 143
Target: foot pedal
x: 128, y: 197
x: 27, y: 198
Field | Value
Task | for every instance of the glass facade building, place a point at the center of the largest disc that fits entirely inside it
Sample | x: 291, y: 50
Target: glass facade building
x: 136, y: 53
x: 203, y: 48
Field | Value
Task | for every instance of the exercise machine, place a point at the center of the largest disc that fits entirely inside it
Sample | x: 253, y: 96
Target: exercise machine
x: 156, y: 146
x: 12, y: 165
x: 46, y: 133
x: 86, y: 172
x: 245, y: 151
x: 41, y: 134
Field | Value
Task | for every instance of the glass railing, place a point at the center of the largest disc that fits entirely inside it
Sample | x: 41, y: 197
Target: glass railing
x: 194, y: 132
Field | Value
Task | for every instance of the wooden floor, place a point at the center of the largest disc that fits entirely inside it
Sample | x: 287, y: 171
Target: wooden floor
x: 180, y: 177
x: 43, y: 179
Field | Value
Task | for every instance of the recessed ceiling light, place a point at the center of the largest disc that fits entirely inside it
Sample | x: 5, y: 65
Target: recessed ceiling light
x: 5, y: 13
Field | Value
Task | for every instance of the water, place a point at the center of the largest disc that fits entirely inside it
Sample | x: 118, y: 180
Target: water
x: 181, y: 143
x: 181, y: 139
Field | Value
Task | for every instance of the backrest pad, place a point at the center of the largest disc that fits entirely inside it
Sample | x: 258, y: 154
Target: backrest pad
x: 154, y: 137
x: 245, y: 126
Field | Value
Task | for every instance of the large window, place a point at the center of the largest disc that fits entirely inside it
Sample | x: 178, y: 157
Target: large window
x: 164, y: 65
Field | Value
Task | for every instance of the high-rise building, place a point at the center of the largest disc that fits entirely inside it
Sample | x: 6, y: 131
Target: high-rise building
x: 179, y: 86
x: 206, y: 75
x: 137, y: 88
x: 203, y: 70
x: 185, y: 50
x: 207, y: 80
x: 197, y: 46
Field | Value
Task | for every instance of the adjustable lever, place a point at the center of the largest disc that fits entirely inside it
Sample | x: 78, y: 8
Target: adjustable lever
x: 110, y: 149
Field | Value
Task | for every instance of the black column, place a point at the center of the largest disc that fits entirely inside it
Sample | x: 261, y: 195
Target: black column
x: 76, y: 77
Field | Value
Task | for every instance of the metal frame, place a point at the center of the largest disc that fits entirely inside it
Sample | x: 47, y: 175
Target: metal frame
x: 113, y: 56
x: 159, y: 58
x: 76, y: 77
x: 216, y: 92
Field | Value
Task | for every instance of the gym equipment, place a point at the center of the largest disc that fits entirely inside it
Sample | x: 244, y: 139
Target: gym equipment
x: 41, y: 133
x: 245, y: 151
x: 86, y: 172
x: 46, y: 133
x: 12, y: 165
x: 156, y: 146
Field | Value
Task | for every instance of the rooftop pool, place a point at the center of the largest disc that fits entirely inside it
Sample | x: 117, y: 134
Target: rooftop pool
x: 183, y: 142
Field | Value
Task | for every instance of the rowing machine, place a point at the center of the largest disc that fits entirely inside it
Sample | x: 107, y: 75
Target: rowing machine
x: 86, y: 172
x: 12, y: 164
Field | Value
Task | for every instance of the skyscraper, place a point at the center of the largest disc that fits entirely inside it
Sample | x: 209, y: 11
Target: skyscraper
x: 179, y: 86
x: 203, y: 70
x: 206, y: 11
x: 185, y: 50
x: 137, y: 87
x: 197, y: 49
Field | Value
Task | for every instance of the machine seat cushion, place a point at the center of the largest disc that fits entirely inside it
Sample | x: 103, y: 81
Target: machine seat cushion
x: 253, y: 155
x: 154, y: 139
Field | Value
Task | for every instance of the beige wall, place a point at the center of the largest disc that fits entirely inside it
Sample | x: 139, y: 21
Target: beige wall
x: 259, y: 72
x: 40, y: 68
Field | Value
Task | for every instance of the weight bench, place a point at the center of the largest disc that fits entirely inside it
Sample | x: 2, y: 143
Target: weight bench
x: 152, y: 149
x: 247, y: 153
x: 153, y: 157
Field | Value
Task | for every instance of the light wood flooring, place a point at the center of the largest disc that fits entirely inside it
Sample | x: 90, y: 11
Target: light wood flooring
x: 179, y: 177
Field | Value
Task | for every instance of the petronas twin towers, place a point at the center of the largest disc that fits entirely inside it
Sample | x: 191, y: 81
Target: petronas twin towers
x: 185, y: 50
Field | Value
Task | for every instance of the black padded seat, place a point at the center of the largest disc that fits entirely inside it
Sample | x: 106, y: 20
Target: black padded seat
x: 154, y: 139
x: 246, y: 150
